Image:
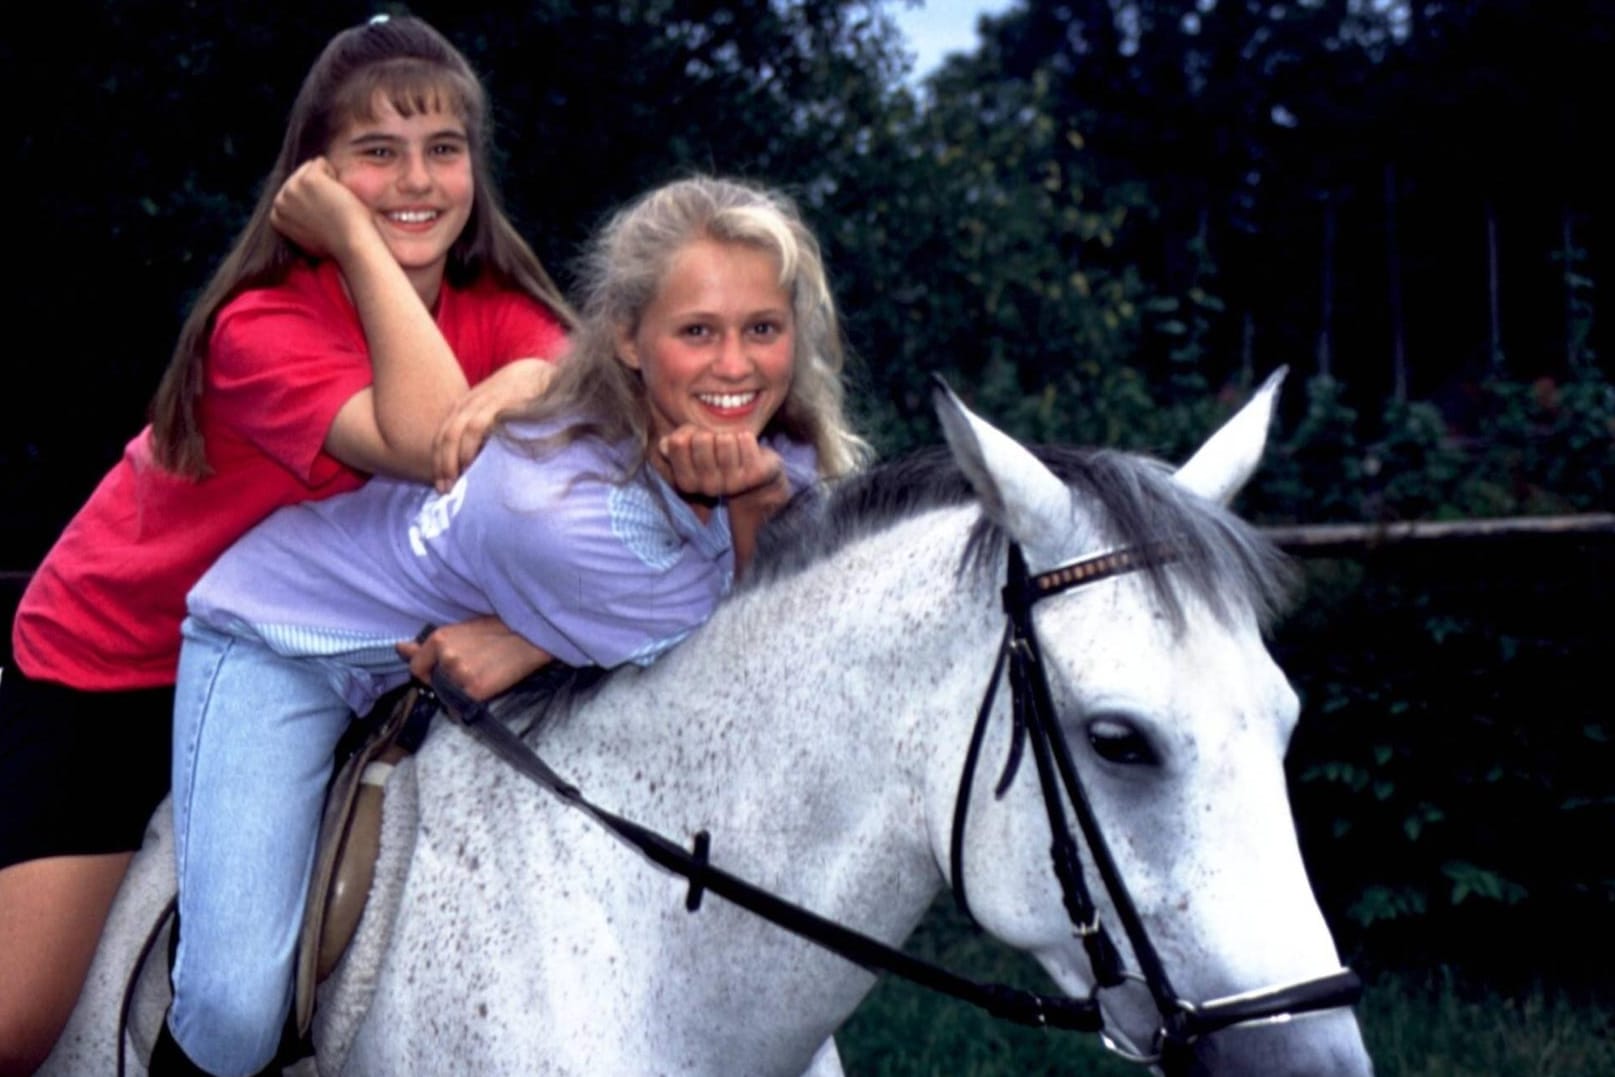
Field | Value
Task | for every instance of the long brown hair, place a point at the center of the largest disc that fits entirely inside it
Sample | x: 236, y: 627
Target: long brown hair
x: 417, y: 70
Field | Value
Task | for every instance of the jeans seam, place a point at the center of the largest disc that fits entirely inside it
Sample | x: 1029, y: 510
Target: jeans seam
x: 181, y: 839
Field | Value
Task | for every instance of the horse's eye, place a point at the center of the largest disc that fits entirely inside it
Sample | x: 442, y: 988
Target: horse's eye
x: 1119, y: 742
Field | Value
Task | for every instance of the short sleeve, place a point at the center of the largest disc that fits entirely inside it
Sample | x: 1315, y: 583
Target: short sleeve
x: 280, y: 367
x: 490, y: 325
x: 527, y: 330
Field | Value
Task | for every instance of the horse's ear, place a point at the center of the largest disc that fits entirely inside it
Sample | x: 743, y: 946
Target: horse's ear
x: 1016, y: 490
x: 1223, y: 465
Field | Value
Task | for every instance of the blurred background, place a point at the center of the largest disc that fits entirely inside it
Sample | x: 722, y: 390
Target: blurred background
x: 1103, y: 221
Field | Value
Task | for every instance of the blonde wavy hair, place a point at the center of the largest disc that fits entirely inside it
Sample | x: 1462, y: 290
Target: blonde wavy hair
x: 620, y: 275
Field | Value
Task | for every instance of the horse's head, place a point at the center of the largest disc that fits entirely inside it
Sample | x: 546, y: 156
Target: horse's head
x: 1174, y: 720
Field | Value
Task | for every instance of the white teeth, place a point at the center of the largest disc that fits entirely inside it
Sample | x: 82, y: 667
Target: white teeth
x: 727, y: 400
x: 413, y: 216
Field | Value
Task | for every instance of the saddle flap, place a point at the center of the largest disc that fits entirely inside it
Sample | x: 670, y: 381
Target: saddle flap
x: 349, y: 839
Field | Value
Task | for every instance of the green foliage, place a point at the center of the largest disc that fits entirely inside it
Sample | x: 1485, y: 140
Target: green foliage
x: 902, y: 1030
x: 986, y: 201
x: 1451, y: 772
x: 1315, y: 473
x: 1454, y: 737
x: 1552, y: 444
x: 1530, y: 448
x: 1439, y: 1025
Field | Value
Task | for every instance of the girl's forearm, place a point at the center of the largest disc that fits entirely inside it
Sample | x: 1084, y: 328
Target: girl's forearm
x: 748, y: 513
x: 417, y: 379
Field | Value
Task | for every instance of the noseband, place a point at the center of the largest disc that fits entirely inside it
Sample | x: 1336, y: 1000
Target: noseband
x: 1034, y: 722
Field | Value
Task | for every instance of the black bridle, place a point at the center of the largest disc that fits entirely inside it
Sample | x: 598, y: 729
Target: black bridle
x: 1034, y: 723
x: 1182, y: 1022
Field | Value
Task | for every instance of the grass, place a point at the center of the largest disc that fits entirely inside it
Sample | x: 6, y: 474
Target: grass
x: 905, y: 1031
x: 1416, y: 1024
x: 1430, y: 1024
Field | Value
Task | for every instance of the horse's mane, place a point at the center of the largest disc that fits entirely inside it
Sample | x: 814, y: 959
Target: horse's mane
x: 1133, y: 499
x: 1217, y: 556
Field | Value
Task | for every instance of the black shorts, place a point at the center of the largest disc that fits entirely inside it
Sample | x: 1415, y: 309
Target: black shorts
x: 80, y: 772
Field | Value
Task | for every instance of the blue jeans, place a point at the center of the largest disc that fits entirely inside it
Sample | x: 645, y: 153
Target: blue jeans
x: 254, y: 737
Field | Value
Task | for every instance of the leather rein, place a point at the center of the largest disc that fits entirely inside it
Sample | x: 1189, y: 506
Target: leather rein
x: 1182, y: 1022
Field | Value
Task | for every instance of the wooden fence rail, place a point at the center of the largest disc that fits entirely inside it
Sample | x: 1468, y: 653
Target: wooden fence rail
x: 1336, y: 540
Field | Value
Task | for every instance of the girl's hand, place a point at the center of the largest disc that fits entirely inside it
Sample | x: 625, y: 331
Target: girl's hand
x: 315, y: 211
x: 482, y: 656
x: 468, y: 423
x: 732, y: 465
x: 713, y: 464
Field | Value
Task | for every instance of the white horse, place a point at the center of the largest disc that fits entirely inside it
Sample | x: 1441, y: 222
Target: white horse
x: 817, y: 728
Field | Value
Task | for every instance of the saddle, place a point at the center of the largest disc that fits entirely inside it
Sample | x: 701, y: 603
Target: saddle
x: 350, y: 837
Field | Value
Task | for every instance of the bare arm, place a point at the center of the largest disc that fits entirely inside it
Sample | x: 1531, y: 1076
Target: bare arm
x: 748, y: 512
x: 391, y: 427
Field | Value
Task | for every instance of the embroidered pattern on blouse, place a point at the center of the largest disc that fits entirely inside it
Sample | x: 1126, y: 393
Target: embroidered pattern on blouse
x: 307, y: 641
x: 640, y: 523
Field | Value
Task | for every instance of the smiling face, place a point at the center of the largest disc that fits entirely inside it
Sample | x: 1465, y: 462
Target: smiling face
x: 716, y: 346
x: 414, y: 175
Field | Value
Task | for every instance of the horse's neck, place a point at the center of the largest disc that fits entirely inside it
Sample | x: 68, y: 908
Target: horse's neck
x: 801, y: 728
x: 800, y: 725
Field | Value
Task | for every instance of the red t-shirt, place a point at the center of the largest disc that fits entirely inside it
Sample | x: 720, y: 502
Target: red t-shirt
x: 103, y: 611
